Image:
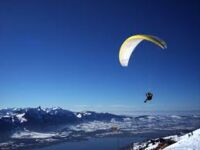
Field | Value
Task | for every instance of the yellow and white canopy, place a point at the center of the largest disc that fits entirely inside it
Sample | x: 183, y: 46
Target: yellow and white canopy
x: 129, y: 45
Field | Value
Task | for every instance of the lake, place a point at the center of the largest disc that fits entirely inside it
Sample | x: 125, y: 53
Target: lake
x: 105, y: 143
x: 108, y: 143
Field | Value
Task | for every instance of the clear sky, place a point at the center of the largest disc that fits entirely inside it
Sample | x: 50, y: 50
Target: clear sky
x: 65, y: 53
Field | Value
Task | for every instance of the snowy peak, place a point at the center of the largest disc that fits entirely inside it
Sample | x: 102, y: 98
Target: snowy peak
x: 189, y: 141
x: 186, y: 142
x: 23, y: 117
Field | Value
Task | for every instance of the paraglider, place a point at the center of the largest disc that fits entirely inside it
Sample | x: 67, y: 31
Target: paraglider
x: 129, y: 45
x: 149, y: 97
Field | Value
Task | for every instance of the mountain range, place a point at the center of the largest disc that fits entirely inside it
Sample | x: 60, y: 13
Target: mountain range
x: 12, y: 118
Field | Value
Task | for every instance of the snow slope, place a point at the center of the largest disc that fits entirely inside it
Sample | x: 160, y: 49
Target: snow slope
x: 190, y: 141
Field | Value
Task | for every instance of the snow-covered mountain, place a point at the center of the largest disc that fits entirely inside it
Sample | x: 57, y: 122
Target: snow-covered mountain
x: 33, y: 117
x: 23, y: 128
x: 189, y: 141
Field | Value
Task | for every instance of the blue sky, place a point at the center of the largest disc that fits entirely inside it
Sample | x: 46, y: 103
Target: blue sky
x: 65, y: 53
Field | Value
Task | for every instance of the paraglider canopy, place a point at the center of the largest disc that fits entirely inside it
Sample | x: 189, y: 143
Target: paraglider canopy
x: 129, y: 45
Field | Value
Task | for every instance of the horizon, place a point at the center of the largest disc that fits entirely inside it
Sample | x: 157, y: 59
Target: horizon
x: 65, y: 53
x: 115, y: 111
